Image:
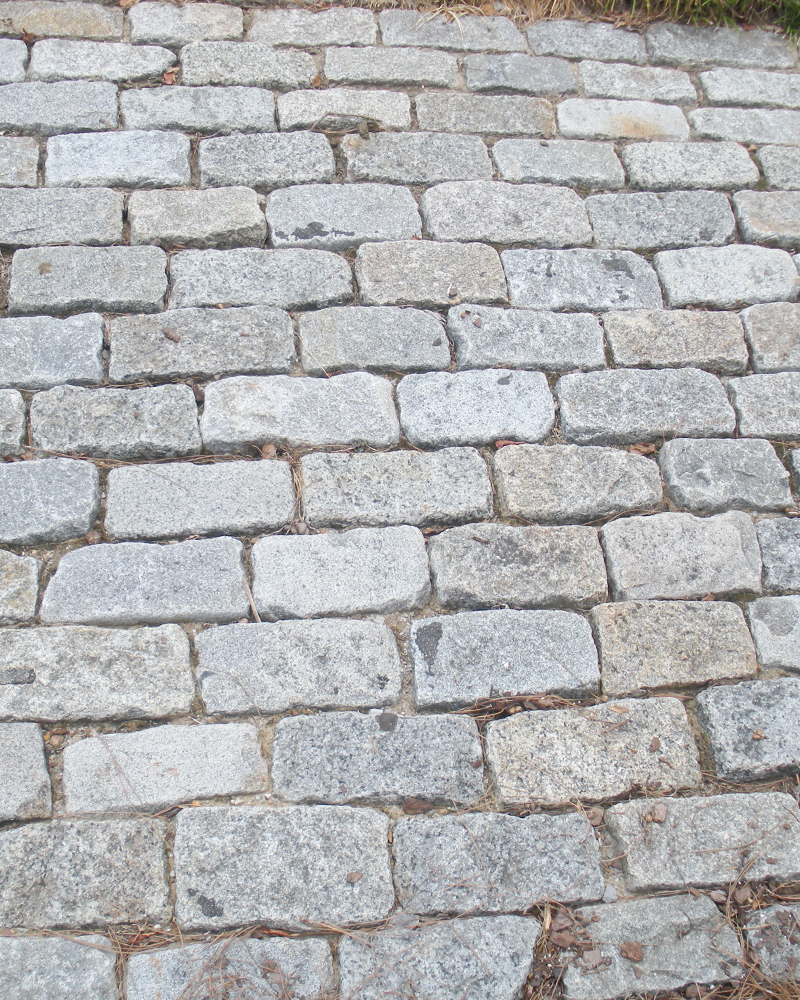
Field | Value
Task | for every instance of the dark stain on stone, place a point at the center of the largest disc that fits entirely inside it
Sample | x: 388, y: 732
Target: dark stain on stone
x: 387, y: 722
x: 17, y: 675
x: 427, y: 640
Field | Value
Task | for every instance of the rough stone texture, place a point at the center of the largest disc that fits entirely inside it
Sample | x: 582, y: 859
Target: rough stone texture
x: 119, y: 62
x: 40, y: 216
x: 78, y: 672
x: 72, y: 279
x: 486, y: 957
x: 726, y: 277
x: 711, y: 476
x: 751, y: 88
x: 506, y: 213
x: 338, y: 26
x: 377, y: 339
x: 563, y: 483
x: 438, y: 409
x: 272, y: 668
x: 772, y: 934
x: 218, y: 217
x: 649, y: 221
x: 56, y: 967
x: 681, y: 556
x: 683, y: 940
x: 634, y: 83
x: 554, y: 757
x: 350, y: 409
x: 19, y: 159
x: 485, y: 115
x: 265, y: 161
x: 461, y: 659
x: 121, y: 876
x: 732, y: 715
x: 345, y: 756
x: 589, y: 280
x: 480, y: 565
x: 216, y: 110
x: 651, y: 645
x: 342, y: 108
x: 403, y: 487
x: 12, y: 422
x: 580, y: 40
x: 79, y: 20
x: 428, y: 274
x: 132, y: 583
x: 40, y: 352
x: 177, y: 499
x: 165, y: 24
x: 773, y: 334
x: 283, y: 278
x: 13, y: 59
x: 683, y: 45
x: 767, y: 405
x: 367, y: 569
x: 521, y: 73
x: 286, y: 868
x: 158, y: 421
x: 775, y: 624
x: 386, y: 65
x: 675, y: 339
x: 561, y: 161
x: 24, y: 779
x: 751, y: 126
x: 415, y: 157
x: 769, y: 217
x: 249, y: 64
x: 201, y: 343
x: 494, y: 863
x: 780, y: 166
x: 160, y: 767
x: 51, y: 108
x: 47, y: 501
x: 468, y: 33
x: 626, y: 405
x: 779, y: 539
x: 581, y: 118
x: 19, y: 585
x: 663, y: 165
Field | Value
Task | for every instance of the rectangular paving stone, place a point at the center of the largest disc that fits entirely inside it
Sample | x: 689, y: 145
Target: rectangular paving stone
x: 781, y: 166
x: 136, y: 583
x: 177, y: 499
x: 379, y: 64
x: 308, y: 29
x: 584, y: 118
x: 775, y: 624
x: 555, y: 757
x: 70, y: 20
x: 767, y: 405
x: 25, y: 791
x: 155, y: 422
x: 415, y: 157
x: 121, y: 877
x: 47, y: 501
x: 73, y: 672
x: 274, y: 667
x: 161, y: 767
x: 467, y: 33
x: 750, y: 126
x: 753, y: 728
x: 248, y: 64
x: 340, y: 757
x: 653, y: 645
x: 769, y: 217
x: 400, y: 487
x: 350, y: 409
x: 677, y: 338
x: 779, y: 539
x: 33, y: 216
x: 216, y: 110
x: 485, y: 337
x: 119, y: 62
x: 118, y: 159
x: 521, y: 73
x: 583, y: 280
x: 342, y: 108
x: 493, y: 863
x: 685, y: 45
x: 772, y: 934
x: 476, y: 113
x: 265, y: 161
x: 19, y: 161
x: 57, y: 967
x: 483, y: 565
x: 461, y: 659
x: 751, y: 88
x: 680, y: 556
x: 286, y: 868
x: 19, y: 587
x: 659, y: 166
x: 12, y: 422
x: 379, y: 570
x: 564, y: 483
x: 166, y: 24
x: 51, y: 108
x: 78, y: 279
x: 559, y: 161
x: 218, y: 217
x: 636, y: 83
x: 13, y: 60
x: 39, y: 351
x: 649, y: 221
x: 583, y: 40
x: 201, y: 343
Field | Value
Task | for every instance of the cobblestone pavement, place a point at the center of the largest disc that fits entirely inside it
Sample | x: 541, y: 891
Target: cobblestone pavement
x: 401, y: 571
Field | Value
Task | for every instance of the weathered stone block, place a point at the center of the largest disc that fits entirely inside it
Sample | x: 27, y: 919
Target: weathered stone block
x: 341, y: 108
x: 775, y: 624
x: 685, y: 45
x: 248, y: 64
x: 166, y: 24
x: 19, y: 586
x: 118, y: 159
x: 772, y: 934
x: 13, y: 60
x: 58, y: 967
x: 78, y: 20
x: 521, y: 73
x: 40, y: 352
x: 307, y: 29
x: 467, y: 33
x: 664, y: 165
x: 12, y: 422
x: 726, y: 277
x: 485, y: 115
x: 265, y: 161
x: 119, y: 62
x: 779, y: 539
x: 390, y: 66
x: 415, y: 157
x: 19, y: 161
x: 769, y: 217
x: 751, y: 88
x: 560, y: 161
x: 47, y: 501
x: 773, y: 333
x: 25, y: 791
x: 767, y: 405
x: 31, y: 216
x: 781, y: 166
x: 649, y: 221
x: 218, y: 217
x: 216, y: 110
x: 584, y: 40
x: 51, y: 108
x: 582, y: 118
x: 636, y: 83
x: 750, y: 126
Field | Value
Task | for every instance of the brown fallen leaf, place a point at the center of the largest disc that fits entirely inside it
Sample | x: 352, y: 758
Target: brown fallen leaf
x: 93, y: 537
x: 596, y: 815
x: 758, y: 735
x: 562, y: 939
x: 632, y: 950
x: 126, y: 4
x: 618, y: 709
x: 269, y: 451
x: 655, y: 744
x: 413, y: 806
x: 718, y: 896
x: 561, y: 921
x: 171, y: 335
x: 708, y: 597
x: 477, y: 322
x: 504, y: 444
x: 169, y: 76
x: 742, y: 894
x: 642, y: 448
x: 659, y: 812
x: 695, y: 892
x: 45, y: 268
x: 592, y: 958
x: 353, y: 877
x: 316, y: 83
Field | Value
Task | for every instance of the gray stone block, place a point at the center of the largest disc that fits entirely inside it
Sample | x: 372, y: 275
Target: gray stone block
x: 19, y: 161
x: 47, y: 501
x: 563, y: 483
x: 649, y: 221
x: 286, y: 868
x: 775, y: 624
x: 400, y: 487
x: 166, y: 24
x: 772, y: 934
x: 40, y: 352
x: 57, y: 967
x: 118, y: 159
x: 461, y: 659
x: 428, y: 274
x: 773, y: 334
x: 340, y: 216
x: 307, y: 29
x: 769, y: 217
x: 680, y: 556
x: 343, y: 757
x: 439, y: 409
x: 351, y: 409
x: 51, y: 108
x: 683, y: 940
x: 62, y: 18
x: 341, y: 108
x: 586, y: 118
x: 583, y: 40
x: 25, y: 791
x: 119, y: 62
x: 554, y: 757
x: 121, y: 877
x: 12, y: 422
x: 275, y: 667
x: 726, y: 277
x: 46, y: 215
x: 685, y: 45
x: 780, y: 166
x: 13, y: 60
x: 534, y: 214
x: 779, y: 539
x: 68, y: 673
x: 218, y: 217
x: 178, y: 499
x: 751, y: 88
x: 390, y: 66
x: 753, y: 728
x: 156, y: 422
x: 653, y: 645
x: 626, y: 406
x: 484, y: 115
x: 136, y: 583
x: 19, y: 585
x: 588, y: 280
x: 379, y: 570
x: 415, y: 157
x: 486, y: 565
x: 73, y: 279
x: 494, y: 863
x: 381, y: 339
x: 750, y: 126
x: 265, y: 161
x: 520, y: 73
x: 560, y: 161
x: 248, y: 64
x: 467, y: 33
x: 676, y: 339
x: 201, y: 342
x: 160, y: 767
x: 283, y: 278
x: 215, y: 110
x: 767, y: 405
x: 660, y: 166
x: 636, y: 83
